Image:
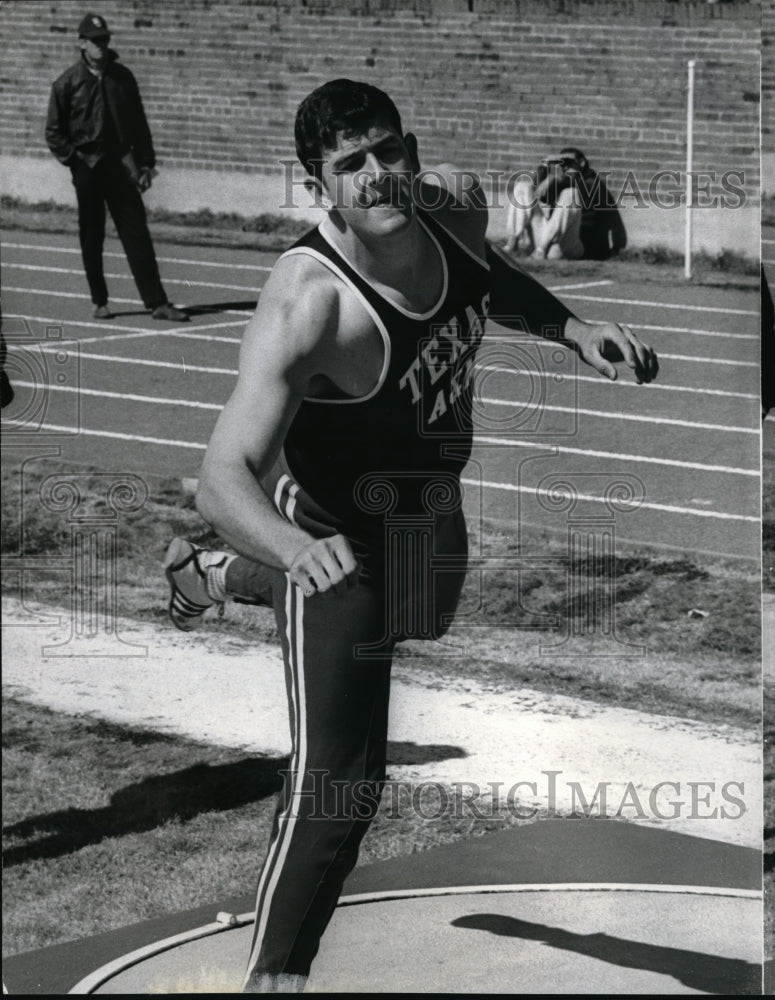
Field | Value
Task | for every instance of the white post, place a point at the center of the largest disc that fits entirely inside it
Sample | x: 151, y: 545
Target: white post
x: 689, y: 165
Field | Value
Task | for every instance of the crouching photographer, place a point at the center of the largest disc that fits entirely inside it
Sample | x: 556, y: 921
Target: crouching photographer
x: 545, y: 211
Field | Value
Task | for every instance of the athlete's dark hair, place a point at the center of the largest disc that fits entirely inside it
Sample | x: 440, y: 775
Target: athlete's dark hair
x: 339, y: 106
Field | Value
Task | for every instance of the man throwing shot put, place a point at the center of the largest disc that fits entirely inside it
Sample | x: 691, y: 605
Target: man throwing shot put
x: 96, y: 126
x: 353, y: 407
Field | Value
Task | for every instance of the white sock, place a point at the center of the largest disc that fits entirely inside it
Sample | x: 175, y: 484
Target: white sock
x: 215, y: 566
x: 285, y: 982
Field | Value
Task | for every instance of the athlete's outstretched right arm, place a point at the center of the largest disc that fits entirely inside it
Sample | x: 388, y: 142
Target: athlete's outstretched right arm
x: 519, y: 302
x: 288, y: 342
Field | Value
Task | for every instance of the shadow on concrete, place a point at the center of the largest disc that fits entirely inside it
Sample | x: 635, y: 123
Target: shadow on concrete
x: 708, y: 973
x: 180, y: 795
x: 215, y: 307
x: 415, y: 753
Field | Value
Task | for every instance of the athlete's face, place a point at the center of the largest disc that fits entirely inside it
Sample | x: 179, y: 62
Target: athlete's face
x: 368, y: 179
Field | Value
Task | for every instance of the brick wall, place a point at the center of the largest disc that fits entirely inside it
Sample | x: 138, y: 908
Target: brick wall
x: 491, y: 84
x: 768, y: 76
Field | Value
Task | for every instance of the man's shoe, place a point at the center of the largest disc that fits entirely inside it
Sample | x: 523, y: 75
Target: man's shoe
x: 102, y: 312
x: 185, y: 567
x: 168, y: 311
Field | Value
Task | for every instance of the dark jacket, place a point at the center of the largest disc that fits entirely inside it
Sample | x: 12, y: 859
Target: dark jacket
x: 77, y: 119
x: 602, y: 229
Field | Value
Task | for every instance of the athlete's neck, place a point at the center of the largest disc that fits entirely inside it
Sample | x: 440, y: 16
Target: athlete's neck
x: 406, y: 265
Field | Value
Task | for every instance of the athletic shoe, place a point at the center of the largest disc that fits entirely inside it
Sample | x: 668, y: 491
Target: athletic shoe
x: 102, y: 312
x: 168, y: 311
x: 185, y: 567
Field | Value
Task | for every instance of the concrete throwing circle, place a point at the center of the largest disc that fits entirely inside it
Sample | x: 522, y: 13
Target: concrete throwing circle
x: 516, y: 939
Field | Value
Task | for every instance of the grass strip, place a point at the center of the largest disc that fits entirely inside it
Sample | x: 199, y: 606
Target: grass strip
x: 668, y: 659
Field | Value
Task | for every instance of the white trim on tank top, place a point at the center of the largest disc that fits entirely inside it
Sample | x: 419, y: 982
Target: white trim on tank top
x: 392, y: 302
x: 331, y: 265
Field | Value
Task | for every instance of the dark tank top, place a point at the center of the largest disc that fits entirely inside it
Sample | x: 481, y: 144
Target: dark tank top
x: 398, y: 451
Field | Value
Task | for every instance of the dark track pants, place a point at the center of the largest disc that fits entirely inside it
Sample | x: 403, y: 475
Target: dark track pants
x: 337, y: 651
x: 108, y: 183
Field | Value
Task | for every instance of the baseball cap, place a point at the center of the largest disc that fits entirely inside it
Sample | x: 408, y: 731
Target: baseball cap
x: 93, y: 26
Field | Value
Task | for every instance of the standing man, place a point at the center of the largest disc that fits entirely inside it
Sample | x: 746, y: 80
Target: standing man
x: 96, y: 126
x: 353, y: 412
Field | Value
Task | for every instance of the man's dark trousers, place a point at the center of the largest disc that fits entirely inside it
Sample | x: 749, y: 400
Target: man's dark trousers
x: 108, y: 183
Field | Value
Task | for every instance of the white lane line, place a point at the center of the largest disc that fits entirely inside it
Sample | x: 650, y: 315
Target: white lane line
x: 645, y: 505
x: 709, y: 361
x: 497, y: 334
x: 188, y: 335
x: 113, y: 338
x: 180, y: 366
x: 494, y: 368
x: 106, y: 325
x: 88, y: 432
x: 219, y: 284
x: 622, y: 383
x: 66, y: 295
x: 615, y: 456
x: 242, y: 312
x: 246, y: 267
x: 582, y: 284
x: 109, y: 325
x: 666, y: 305
x: 478, y: 439
x: 253, y: 289
x: 133, y: 397
x: 165, y: 260
x: 624, y: 416
x: 134, y: 302
x: 696, y: 333
x: 148, y: 363
x: 145, y: 334
x: 669, y: 508
x: 769, y: 242
x: 109, y: 336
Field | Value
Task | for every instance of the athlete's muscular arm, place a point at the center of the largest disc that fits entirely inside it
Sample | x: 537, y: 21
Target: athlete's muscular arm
x: 517, y: 300
x: 287, y: 345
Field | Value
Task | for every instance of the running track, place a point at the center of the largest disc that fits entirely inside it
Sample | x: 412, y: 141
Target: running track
x: 134, y: 395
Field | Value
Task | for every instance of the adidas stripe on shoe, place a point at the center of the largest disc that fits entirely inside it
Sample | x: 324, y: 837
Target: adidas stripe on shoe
x: 186, y: 566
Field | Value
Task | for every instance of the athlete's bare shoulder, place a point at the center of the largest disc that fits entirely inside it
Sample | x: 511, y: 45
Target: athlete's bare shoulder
x: 455, y: 198
x: 297, y: 310
x: 306, y: 325
x: 301, y: 290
